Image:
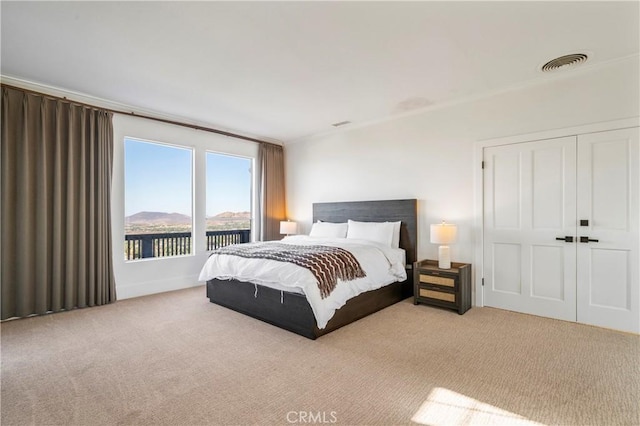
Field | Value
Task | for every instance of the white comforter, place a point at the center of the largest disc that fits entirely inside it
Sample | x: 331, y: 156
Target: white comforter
x: 383, y: 265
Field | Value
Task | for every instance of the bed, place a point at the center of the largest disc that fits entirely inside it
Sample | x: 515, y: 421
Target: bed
x: 291, y: 311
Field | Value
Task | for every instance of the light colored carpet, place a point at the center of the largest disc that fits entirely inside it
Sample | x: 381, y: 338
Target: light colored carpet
x: 176, y: 359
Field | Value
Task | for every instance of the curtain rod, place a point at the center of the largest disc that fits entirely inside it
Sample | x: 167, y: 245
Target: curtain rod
x: 148, y: 117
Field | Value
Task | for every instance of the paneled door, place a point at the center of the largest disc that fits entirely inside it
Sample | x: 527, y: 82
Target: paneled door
x: 608, y: 240
x: 561, y: 228
x: 529, y: 226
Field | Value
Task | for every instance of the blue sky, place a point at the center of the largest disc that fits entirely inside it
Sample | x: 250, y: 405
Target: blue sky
x: 159, y: 178
x: 228, y: 184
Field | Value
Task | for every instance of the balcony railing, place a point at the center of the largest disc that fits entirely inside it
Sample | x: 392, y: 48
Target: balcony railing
x: 142, y: 246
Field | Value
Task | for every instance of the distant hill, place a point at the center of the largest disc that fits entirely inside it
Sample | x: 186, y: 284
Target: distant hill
x: 157, y: 218
x: 162, y: 218
x: 229, y: 220
x: 231, y: 215
x: 154, y: 222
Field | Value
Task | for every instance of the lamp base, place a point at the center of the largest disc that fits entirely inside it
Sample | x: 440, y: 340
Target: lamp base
x: 444, y: 257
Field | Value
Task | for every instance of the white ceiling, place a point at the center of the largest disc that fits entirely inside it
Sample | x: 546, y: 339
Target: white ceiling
x: 286, y: 70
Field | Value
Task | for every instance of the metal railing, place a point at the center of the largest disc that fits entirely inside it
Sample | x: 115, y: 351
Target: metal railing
x: 142, y: 246
x: 217, y: 239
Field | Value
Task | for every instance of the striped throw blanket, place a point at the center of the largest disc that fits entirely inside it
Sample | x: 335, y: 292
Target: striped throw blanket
x: 327, y: 264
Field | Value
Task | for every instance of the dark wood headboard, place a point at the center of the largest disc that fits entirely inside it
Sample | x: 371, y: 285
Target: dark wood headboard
x: 376, y: 211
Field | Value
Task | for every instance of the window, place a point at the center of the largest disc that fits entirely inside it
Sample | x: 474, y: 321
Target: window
x: 228, y: 200
x: 158, y: 200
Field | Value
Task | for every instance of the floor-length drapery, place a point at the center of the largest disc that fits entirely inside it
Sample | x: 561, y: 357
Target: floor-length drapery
x: 272, y: 207
x: 57, y: 160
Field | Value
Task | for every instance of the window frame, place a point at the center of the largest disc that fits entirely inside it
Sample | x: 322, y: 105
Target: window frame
x: 252, y: 187
x: 193, y: 152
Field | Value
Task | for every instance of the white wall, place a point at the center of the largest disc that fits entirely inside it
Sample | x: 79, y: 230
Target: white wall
x: 430, y: 155
x: 136, y: 278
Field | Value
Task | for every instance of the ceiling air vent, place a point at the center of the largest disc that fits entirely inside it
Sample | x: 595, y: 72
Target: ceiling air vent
x: 564, y: 61
x: 342, y: 123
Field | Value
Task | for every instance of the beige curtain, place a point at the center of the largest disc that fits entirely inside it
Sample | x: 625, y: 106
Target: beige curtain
x: 56, y: 187
x: 272, y: 208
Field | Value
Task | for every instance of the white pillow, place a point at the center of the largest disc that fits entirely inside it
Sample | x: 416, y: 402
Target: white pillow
x: 395, y: 242
x: 380, y: 232
x: 328, y: 229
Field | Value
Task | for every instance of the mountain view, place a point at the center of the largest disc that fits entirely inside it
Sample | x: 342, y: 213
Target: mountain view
x: 161, y: 222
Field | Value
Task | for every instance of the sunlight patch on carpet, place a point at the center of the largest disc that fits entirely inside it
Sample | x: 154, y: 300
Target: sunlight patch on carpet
x: 446, y: 407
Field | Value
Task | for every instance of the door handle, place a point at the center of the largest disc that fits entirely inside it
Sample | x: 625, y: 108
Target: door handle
x: 568, y: 239
x: 588, y: 240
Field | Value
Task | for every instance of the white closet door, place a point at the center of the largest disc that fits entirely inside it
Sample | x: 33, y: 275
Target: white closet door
x: 608, y: 197
x: 530, y: 202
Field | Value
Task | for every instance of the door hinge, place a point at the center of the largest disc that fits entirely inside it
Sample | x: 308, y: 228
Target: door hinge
x: 482, y: 164
x: 483, y: 282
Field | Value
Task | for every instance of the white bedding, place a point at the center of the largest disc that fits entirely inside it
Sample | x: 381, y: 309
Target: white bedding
x: 383, y: 265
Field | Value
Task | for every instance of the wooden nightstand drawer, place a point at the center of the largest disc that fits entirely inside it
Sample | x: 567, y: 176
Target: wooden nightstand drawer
x: 439, y: 295
x: 430, y: 279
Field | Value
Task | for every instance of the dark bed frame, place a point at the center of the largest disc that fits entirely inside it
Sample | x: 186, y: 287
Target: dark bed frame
x: 291, y: 311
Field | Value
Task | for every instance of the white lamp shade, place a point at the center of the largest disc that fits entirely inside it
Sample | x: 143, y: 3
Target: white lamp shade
x: 443, y: 233
x: 288, y: 227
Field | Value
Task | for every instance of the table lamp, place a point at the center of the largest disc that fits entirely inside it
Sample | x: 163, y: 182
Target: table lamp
x: 443, y: 234
x: 288, y: 227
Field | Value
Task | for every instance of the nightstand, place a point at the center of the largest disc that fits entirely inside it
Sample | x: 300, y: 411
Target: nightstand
x: 447, y: 288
